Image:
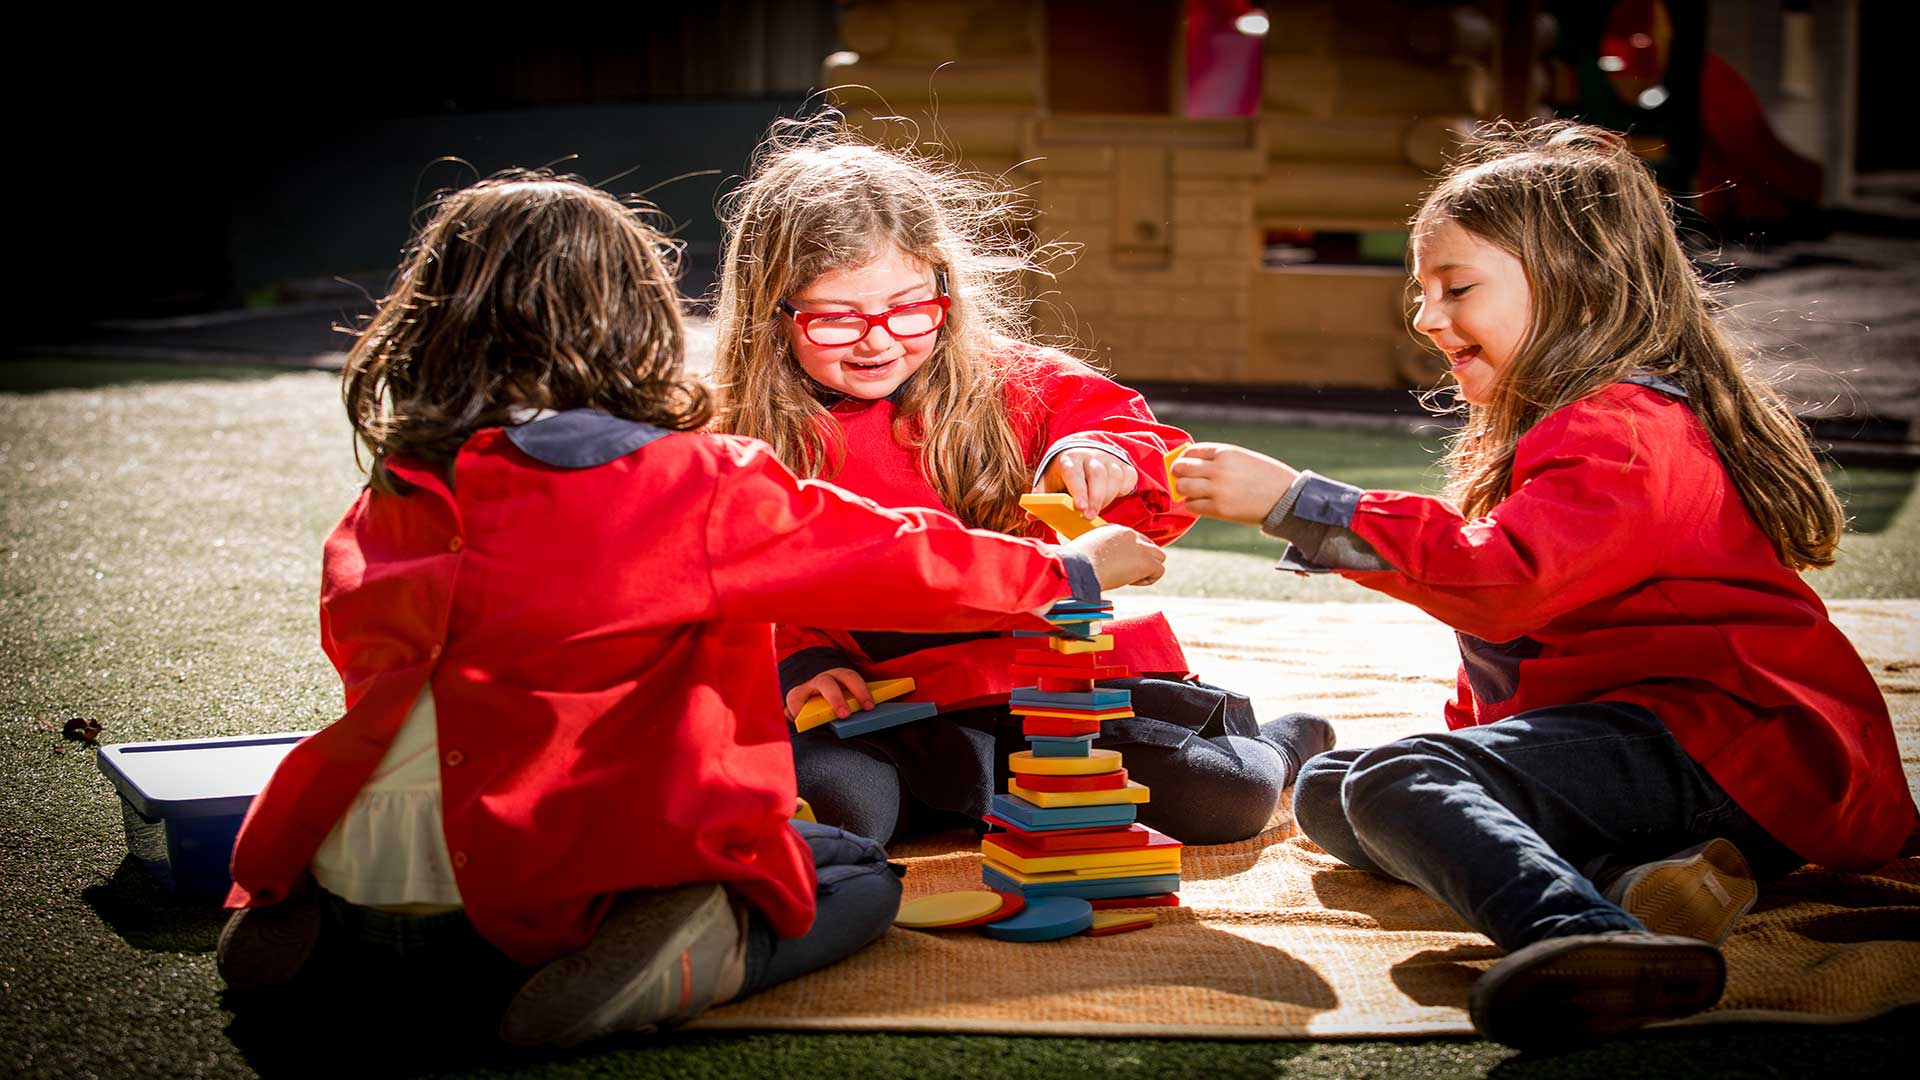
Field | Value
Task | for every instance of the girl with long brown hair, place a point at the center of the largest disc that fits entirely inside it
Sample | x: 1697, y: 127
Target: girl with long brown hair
x: 870, y: 330
x: 559, y: 797
x: 1648, y: 690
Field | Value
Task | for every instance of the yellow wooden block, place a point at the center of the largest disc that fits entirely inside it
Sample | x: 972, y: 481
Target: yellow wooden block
x: 1109, y: 920
x: 1097, y: 643
x: 1173, y: 455
x: 947, y: 908
x: 803, y: 811
x: 1056, y: 509
x: 1165, y: 861
x: 816, y: 711
x: 1134, y: 792
x: 1025, y: 878
x: 1096, y: 761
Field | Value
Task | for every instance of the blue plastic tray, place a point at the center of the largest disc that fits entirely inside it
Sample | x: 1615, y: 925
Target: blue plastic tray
x: 182, y: 802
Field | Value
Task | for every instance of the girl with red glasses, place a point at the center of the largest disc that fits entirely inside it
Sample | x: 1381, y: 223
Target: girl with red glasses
x: 869, y: 328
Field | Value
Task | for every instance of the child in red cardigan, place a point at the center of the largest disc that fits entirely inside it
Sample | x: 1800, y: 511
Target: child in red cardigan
x: 563, y: 771
x: 1643, y: 669
x: 868, y: 328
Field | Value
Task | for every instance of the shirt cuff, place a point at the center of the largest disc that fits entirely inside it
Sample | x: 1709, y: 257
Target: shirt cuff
x: 1315, y: 516
x: 1069, y: 443
x: 1080, y: 572
x: 807, y: 663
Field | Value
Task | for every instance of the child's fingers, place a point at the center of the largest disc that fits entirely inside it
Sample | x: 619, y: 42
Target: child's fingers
x: 1187, y: 470
x: 855, y: 684
x: 826, y: 686
x: 1073, y: 474
x: 1196, y: 487
x: 1108, y: 481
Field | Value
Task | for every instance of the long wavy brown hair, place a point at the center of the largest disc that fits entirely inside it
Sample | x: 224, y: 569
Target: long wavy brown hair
x: 1614, y: 295
x: 526, y: 290
x: 819, y: 199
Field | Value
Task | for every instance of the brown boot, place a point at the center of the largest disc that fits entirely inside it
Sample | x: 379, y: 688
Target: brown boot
x: 265, y: 947
x: 1582, y: 988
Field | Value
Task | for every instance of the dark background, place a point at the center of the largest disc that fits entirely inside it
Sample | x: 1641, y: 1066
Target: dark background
x: 184, y: 170
x: 175, y: 167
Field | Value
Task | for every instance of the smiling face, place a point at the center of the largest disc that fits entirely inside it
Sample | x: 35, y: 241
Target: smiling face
x: 878, y: 363
x: 1475, y: 305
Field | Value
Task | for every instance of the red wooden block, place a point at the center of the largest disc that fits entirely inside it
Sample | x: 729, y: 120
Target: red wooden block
x: 1097, y: 782
x: 1063, y: 686
x: 1058, y: 726
x: 1028, y: 674
x: 1049, y: 658
x: 1166, y: 899
x: 1158, y: 843
x: 1095, y: 838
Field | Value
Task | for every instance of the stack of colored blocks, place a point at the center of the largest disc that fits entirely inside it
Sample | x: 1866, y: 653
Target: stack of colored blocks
x: 1067, y: 817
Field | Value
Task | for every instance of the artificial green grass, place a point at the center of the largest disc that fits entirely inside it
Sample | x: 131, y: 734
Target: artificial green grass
x: 160, y: 538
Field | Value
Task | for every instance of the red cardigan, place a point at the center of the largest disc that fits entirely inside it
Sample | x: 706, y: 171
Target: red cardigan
x: 1053, y: 403
x: 1624, y: 567
x: 597, y: 635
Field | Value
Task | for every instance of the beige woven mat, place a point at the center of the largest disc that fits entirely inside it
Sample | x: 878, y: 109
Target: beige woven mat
x: 1277, y: 939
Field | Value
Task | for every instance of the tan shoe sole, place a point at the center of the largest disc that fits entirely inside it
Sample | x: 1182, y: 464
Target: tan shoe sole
x: 1701, y: 896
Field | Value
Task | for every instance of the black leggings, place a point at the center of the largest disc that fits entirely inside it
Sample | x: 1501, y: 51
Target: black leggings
x: 1206, y: 790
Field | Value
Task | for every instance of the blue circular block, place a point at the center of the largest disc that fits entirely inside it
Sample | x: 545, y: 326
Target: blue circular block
x: 1044, y: 919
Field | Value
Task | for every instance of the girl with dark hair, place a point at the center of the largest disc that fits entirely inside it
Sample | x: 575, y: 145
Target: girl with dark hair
x: 561, y: 787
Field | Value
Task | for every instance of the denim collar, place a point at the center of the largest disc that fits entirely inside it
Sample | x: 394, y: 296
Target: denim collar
x: 1661, y: 383
x: 581, y: 438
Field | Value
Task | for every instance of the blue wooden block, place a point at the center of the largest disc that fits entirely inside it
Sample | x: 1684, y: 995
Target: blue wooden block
x: 1082, y: 631
x: 1040, y: 818
x: 1075, y: 606
x: 1061, y: 745
x: 1046, y: 919
x: 882, y: 716
x: 1038, y: 698
x: 182, y: 802
x: 1092, y: 889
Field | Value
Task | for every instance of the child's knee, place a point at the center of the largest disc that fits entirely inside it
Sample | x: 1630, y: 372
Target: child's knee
x: 835, y: 846
x: 1317, y: 806
x: 863, y: 898
x: 1378, y: 785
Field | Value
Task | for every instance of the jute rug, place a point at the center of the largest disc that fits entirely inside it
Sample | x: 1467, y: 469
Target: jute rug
x: 1279, y: 940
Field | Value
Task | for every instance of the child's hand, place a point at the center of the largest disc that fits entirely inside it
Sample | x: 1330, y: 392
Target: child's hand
x: 1231, y: 483
x: 836, y: 685
x: 1093, y: 477
x: 1121, y: 556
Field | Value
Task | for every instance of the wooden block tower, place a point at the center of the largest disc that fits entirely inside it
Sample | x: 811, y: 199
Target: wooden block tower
x: 1065, y: 825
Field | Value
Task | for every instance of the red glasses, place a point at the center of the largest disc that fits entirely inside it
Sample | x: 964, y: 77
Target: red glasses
x: 838, y: 328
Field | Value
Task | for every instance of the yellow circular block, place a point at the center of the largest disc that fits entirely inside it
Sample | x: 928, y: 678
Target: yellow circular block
x: 1096, y: 761
x: 947, y: 908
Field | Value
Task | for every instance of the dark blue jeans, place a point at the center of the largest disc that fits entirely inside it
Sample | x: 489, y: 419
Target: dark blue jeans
x: 442, y: 958
x: 857, y: 893
x: 1512, y: 824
